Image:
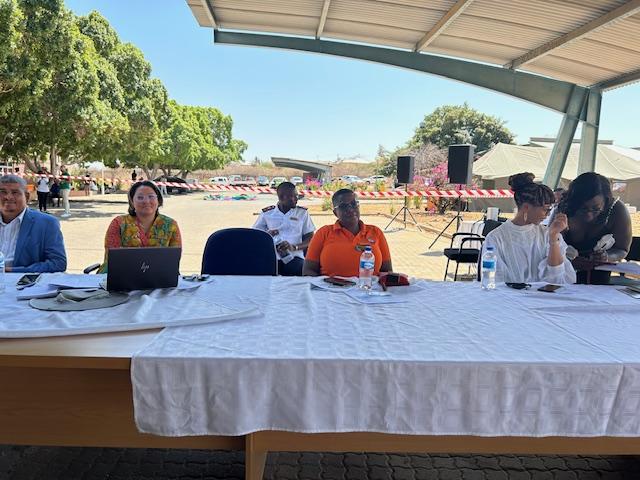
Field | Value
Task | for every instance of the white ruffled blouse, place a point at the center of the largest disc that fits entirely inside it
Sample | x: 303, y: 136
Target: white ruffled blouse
x: 522, y: 255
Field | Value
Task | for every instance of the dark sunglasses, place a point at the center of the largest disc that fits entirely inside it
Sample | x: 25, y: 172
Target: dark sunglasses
x: 346, y: 206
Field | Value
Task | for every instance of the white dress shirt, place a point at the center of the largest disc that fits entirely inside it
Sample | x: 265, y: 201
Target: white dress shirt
x: 292, y: 226
x: 9, y: 237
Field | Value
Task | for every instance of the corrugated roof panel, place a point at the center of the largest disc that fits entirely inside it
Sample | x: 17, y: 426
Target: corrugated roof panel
x: 374, y: 34
x: 559, y: 15
x: 589, y: 74
x: 598, y: 54
x: 498, y: 31
x: 473, y: 49
x: 383, y: 13
x: 285, y: 7
x: 268, y: 22
x: 494, y: 31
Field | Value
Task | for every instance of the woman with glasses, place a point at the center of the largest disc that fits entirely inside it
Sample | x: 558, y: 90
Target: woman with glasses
x: 528, y: 251
x: 144, y: 226
x: 336, y: 249
x: 593, y: 214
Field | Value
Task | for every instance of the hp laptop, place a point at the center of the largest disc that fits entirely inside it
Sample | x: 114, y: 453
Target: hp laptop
x: 142, y: 268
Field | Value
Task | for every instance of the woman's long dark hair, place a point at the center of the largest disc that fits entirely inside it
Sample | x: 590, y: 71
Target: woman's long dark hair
x: 584, y: 188
x: 135, y: 187
x: 525, y: 190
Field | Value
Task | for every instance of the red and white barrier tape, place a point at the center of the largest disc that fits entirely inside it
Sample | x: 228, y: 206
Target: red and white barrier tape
x: 459, y: 193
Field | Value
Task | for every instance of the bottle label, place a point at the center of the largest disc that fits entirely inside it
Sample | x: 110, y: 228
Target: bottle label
x: 366, y: 264
x: 489, y: 264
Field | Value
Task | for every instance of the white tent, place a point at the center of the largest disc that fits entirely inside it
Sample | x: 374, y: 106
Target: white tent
x: 621, y: 165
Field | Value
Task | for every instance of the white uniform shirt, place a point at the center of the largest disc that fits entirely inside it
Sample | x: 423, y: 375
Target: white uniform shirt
x: 292, y: 225
x: 9, y: 237
x: 522, y: 255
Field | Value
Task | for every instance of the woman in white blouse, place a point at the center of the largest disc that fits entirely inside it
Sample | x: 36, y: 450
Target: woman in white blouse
x: 526, y: 250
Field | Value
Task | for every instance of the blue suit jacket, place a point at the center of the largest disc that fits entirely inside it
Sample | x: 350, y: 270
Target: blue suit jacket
x: 40, y: 247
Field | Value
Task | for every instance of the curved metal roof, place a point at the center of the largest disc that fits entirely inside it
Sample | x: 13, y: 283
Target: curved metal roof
x: 586, y: 42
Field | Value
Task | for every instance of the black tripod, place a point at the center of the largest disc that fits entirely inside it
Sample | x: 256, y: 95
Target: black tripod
x: 404, y: 210
x: 457, y: 218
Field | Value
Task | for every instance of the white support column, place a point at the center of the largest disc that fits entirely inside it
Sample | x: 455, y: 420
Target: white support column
x: 564, y: 138
x: 589, y: 141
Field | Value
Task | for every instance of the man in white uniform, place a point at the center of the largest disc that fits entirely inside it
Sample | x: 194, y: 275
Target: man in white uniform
x: 290, y: 226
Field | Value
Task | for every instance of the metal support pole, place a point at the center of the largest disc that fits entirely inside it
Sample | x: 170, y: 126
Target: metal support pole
x: 564, y: 138
x: 589, y: 141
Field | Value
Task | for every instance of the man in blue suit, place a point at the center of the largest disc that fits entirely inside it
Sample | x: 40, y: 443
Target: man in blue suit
x: 30, y: 241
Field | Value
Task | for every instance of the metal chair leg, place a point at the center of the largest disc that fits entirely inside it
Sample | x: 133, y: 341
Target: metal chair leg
x: 446, y: 269
x: 455, y: 275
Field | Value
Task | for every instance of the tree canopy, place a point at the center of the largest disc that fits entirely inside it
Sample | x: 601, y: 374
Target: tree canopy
x: 454, y: 124
x: 446, y: 125
x: 71, y: 90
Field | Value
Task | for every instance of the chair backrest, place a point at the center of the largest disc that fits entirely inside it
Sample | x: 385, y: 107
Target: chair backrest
x: 634, y: 249
x: 490, y: 225
x: 240, y: 251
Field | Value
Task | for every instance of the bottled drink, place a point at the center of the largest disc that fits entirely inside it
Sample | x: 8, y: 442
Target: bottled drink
x: 1, y: 272
x: 277, y: 240
x: 489, y: 260
x: 367, y: 264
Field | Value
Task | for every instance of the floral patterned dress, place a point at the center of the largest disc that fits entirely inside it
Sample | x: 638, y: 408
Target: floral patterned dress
x: 126, y: 231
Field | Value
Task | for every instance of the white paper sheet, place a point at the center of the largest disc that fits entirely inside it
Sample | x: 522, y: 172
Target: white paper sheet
x: 622, y: 267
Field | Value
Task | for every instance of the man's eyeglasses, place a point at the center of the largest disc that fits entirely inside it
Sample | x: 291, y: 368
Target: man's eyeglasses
x: 142, y: 198
x: 346, y: 206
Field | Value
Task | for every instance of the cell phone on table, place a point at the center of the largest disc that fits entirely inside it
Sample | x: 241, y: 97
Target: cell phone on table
x: 549, y: 288
x: 340, y: 282
x: 27, y: 280
x: 518, y: 286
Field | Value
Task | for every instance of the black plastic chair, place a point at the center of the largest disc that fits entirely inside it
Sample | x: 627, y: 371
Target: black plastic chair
x: 239, y: 251
x: 467, y: 255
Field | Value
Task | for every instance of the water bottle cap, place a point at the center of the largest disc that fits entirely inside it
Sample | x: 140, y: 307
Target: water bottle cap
x: 490, y: 248
x: 367, y: 248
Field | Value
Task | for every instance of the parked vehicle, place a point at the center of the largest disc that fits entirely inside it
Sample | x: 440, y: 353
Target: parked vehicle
x: 296, y: 180
x: 238, y: 181
x: 350, y: 179
x: 275, y: 181
x: 171, y: 188
x: 263, y: 181
x: 219, y: 180
x: 374, y: 179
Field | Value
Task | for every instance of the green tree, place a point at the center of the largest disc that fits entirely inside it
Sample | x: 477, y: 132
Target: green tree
x: 451, y: 124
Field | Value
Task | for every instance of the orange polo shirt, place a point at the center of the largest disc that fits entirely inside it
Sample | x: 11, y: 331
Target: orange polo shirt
x: 338, y: 250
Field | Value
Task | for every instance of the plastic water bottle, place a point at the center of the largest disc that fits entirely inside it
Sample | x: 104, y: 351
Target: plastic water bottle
x: 2, y: 286
x: 367, y: 264
x: 277, y: 240
x: 489, y: 260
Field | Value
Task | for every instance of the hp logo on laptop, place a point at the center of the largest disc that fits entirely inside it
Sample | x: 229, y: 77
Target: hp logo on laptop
x: 144, y: 267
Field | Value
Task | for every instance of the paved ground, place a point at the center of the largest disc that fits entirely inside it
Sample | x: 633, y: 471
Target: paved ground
x: 84, y: 230
x: 84, y: 236
x: 32, y: 463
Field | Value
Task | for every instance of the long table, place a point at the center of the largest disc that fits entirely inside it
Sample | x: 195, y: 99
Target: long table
x: 77, y: 391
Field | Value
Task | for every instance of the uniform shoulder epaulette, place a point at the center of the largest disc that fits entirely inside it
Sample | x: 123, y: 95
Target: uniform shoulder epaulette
x: 300, y: 206
x: 266, y: 209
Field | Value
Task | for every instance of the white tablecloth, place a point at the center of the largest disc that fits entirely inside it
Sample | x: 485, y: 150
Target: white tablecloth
x: 144, y: 310
x: 451, y: 360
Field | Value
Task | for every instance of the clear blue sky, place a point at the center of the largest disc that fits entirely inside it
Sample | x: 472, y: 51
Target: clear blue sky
x: 316, y: 107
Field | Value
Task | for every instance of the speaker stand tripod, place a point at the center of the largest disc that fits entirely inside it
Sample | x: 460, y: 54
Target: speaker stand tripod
x: 457, y: 218
x: 404, y: 211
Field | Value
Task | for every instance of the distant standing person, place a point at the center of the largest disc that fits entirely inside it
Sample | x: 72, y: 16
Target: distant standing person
x: 65, y: 190
x: 134, y: 175
x: 87, y: 184
x: 42, y: 188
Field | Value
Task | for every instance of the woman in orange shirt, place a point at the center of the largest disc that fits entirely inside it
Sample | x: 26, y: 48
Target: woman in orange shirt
x: 336, y: 249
